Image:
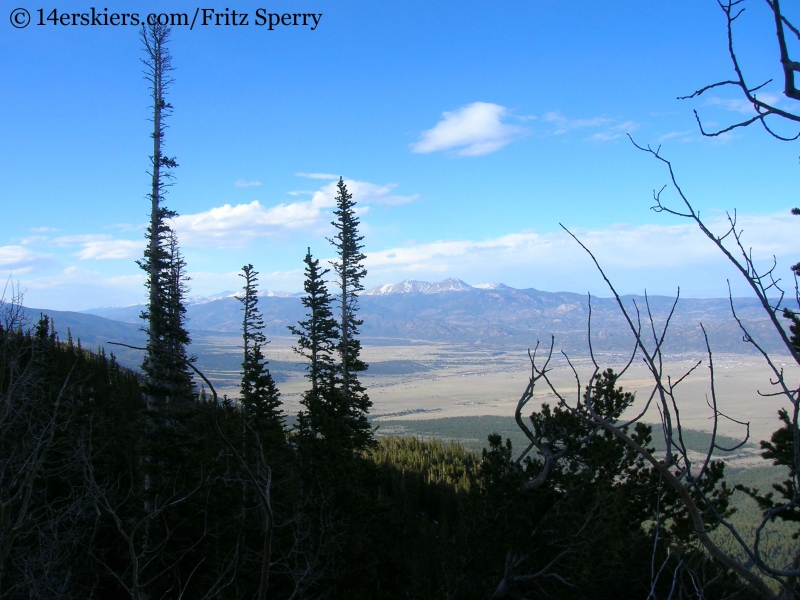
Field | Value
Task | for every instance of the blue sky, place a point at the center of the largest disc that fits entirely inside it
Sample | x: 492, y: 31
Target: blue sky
x: 466, y: 130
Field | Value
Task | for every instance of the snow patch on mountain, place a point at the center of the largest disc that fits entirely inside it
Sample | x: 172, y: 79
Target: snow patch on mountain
x: 492, y: 286
x: 411, y: 286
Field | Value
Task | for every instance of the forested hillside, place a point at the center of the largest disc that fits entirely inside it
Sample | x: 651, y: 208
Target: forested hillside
x: 402, y: 519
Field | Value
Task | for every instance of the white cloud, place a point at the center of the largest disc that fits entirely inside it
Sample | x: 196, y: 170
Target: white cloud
x: 21, y: 260
x: 480, y: 128
x: 234, y: 225
x: 476, y: 129
x: 241, y: 183
x: 98, y: 246
x: 229, y: 225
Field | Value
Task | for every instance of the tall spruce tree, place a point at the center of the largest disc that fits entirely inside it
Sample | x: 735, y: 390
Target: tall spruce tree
x: 173, y: 436
x: 318, y: 338
x: 353, y: 402
x: 166, y: 374
x: 260, y: 397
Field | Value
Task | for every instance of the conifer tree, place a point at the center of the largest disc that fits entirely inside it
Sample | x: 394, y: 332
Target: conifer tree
x: 158, y: 260
x: 176, y: 337
x: 259, y: 395
x: 353, y: 401
x: 318, y: 338
x: 172, y: 427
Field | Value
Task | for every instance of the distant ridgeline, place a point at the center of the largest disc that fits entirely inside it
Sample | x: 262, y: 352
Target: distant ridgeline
x: 452, y: 311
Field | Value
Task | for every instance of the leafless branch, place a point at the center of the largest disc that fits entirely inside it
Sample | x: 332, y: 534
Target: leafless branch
x: 732, y: 11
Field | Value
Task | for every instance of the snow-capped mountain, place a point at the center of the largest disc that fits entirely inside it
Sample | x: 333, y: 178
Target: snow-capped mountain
x: 207, y: 299
x: 411, y: 286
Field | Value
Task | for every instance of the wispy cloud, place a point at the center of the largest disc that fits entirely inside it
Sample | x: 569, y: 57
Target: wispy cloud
x: 680, y: 136
x: 241, y: 183
x: 742, y: 105
x: 111, y: 249
x: 19, y: 259
x: 93, y: 246
x: 475, y: 130
x: 364, y: 192
x: 563, y: 124
x: 32, y: 240
x: 614, y: 132
x: 75, y: 288
x: 317, y: 175
x: 609, y: 129
x: 72, y: 240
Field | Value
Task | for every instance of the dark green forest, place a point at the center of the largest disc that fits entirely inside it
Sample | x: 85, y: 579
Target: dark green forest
x: 85, y: 514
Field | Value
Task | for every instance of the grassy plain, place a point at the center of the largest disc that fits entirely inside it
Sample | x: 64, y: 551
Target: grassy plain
x: 421, y: 380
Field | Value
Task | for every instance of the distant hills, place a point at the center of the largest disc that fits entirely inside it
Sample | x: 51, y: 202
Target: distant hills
x: 94, y: 331
x: 452, y: 311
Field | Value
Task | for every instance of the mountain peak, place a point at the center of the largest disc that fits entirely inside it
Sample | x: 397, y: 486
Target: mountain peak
x: 411, y: 286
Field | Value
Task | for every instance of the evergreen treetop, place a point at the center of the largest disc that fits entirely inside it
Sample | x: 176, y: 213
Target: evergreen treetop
x: 350, y: 271
x: 350, y: 398
x: 318, y: 337
x: 259, y: 396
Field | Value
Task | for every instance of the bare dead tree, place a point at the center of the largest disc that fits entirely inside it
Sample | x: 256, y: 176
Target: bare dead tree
x: 784, y: 27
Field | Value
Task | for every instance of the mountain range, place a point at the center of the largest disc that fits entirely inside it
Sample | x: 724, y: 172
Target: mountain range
x: 452, y: 311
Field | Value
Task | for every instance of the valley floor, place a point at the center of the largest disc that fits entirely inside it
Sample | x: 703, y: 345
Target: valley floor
x: 408, y: 380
